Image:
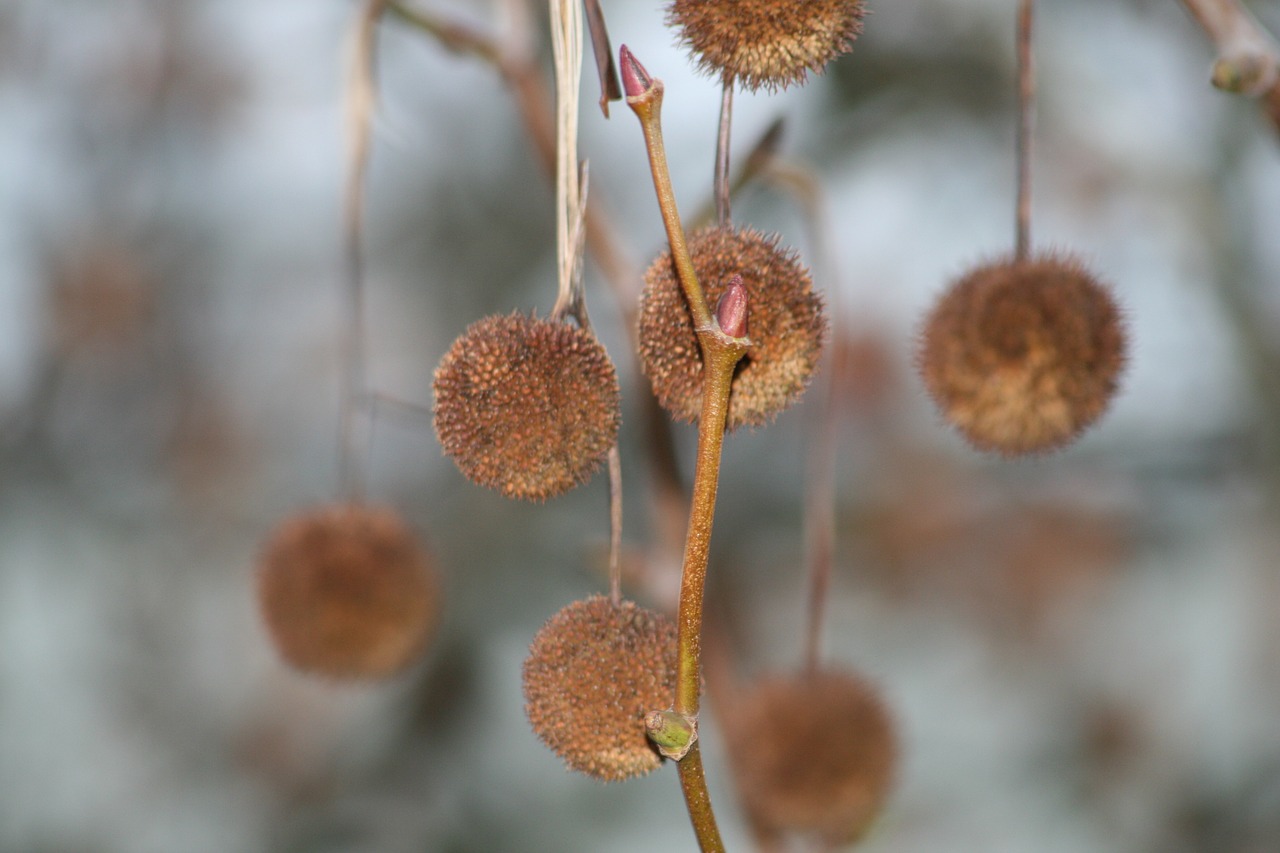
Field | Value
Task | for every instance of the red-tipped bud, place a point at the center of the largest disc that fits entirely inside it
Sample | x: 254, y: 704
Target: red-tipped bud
x: 635, y: 79
x: 732, y: 309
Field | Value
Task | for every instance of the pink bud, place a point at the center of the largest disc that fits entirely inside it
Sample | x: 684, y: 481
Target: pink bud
x: 731, y: 310
x: 635, y: 79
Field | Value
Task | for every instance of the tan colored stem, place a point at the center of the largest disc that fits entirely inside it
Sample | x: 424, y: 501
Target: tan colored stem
x: 720, y: 354
x: 694, y: 784
x: 648, y: 108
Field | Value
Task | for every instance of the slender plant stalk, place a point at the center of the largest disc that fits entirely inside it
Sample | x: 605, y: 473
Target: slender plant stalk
x: 644, y: 96
x: 722, y: 184
x: 615, y: 525
x: 720, y: 355
x: 1026, y: 125
x: 361, y: 102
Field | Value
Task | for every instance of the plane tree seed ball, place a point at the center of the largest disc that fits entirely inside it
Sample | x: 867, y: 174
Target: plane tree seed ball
x: 347, y: 592
x: 814, y: 753
x: 1021, y: 356
x: 593, y: 672
x: 766, y: 43
x: 526, y: 406
x: 787, y: 327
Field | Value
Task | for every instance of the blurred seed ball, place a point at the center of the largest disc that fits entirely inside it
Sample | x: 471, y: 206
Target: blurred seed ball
x: 103, y: 299
x: 1021, y: 356
x: 593, y: 672
x: 787, y: 326
x: 526, y: 406
x: 814, y: 753
x: 347, y: 591
x: 766, y: 43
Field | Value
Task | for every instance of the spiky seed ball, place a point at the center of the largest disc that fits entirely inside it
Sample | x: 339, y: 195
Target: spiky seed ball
x: 526, y: 406
x: 347, y: 591
x: 786, y: 326
x: 814, y: 753
x: 766, y: 43
x: 593, y: 672
x: 1021, y: 356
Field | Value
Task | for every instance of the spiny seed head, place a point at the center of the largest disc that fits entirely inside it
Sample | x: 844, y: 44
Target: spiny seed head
x: 1021, y: 356
x: 787, y: 326
x: 526, y: 406
x: 593, y: 672
x: 814, y: 753
x: 766, y: 43
x: 347, y: 591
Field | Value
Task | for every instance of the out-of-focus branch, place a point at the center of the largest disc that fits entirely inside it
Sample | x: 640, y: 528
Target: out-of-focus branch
x: 1248, y: 60
x: 532, y: 98
x: 525, y: 81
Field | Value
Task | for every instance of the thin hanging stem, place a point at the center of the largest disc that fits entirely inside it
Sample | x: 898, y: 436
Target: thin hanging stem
x: 723, y: 187
x: 361, y: 103
x: 615, y: 525
x: 1026, y: 123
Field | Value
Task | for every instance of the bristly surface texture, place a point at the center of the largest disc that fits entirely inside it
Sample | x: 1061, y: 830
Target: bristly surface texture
x: 1023, y: 356
x: 348, y: 592
x: 526, y: 406
x: 785, y: 324
x: 814, y: 753
x: 767, y: 44
x: 593, y: 672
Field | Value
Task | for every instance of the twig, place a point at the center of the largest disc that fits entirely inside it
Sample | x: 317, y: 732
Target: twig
x: 1248, y: 61
x: 722, y: 340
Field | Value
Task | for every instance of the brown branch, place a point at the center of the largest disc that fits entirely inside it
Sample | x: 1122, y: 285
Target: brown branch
x: 1248, y: 61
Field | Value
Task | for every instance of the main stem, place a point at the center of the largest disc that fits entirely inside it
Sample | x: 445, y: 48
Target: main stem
x: 720, y: 355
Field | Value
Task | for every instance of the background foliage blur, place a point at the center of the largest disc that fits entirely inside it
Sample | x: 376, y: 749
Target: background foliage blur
x: 1081, y: 650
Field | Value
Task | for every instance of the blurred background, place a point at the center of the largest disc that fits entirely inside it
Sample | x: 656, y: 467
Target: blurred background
x: 1082, y: 650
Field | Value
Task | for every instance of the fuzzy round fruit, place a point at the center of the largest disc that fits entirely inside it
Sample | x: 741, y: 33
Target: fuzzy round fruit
x: 813, y: 753
x: 526, y: 406
x: 766, y: 43
x: 347, y: 591
x: 593, y: 672
x: 785, y: 323
x: 1021, y: 356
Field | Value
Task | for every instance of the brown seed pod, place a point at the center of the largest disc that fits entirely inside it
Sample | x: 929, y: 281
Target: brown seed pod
x: 786, y: 326
x: 526, y: 406
x: 1021, y: 356
x: 347, y: 591
x: 814, y: 753
x: 766, y: 43
x: 593, y: 672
